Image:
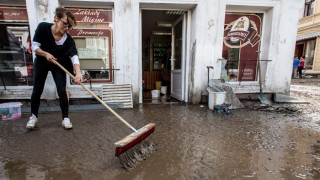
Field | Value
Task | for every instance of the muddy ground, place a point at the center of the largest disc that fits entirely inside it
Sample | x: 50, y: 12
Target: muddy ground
x: 281, y: 142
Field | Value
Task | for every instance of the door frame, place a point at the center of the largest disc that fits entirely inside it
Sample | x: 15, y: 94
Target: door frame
x: 187, y: 50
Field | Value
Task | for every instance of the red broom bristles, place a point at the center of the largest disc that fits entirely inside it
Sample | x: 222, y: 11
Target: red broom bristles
x: 120, y: 150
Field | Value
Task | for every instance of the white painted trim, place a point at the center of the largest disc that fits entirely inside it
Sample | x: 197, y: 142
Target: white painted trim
x: 188, y: 54
x: 273, y: 38
x: 243, y: 83
x: 244, y: 11
x: 315, y: 53
x: 170, y: 1
x: 140, y: 58
x: 163, y: 9
x: 87, y: 3
x: 168, y: 4
x: 113, y: 51
x: 17, y: 87
x: 251, y: 3
x: 184, y: 52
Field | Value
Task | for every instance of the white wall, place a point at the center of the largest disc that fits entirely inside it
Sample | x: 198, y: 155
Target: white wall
x: 205, y: 41
x: 282, y: 45
x: 127, y: 38
x: 278, y: 40
x: 204, y: 46
x: 43, y: 11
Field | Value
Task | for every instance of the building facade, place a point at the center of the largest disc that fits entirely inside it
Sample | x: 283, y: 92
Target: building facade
x: 137, y: 42
x: 308, y: 36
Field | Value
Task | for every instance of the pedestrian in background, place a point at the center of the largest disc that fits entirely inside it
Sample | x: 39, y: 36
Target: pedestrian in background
x: 52, y: 43
x: 300, y: 66
x: 296, y: 61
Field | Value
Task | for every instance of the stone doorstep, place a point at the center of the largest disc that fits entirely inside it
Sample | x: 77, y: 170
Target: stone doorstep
x: 72, y: 108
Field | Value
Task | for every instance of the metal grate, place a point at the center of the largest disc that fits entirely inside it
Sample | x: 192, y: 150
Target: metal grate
x: 119, y: 95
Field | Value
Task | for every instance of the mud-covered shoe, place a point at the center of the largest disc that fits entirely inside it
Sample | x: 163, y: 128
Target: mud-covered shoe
x: 32, y: 122
x: 66, y: 124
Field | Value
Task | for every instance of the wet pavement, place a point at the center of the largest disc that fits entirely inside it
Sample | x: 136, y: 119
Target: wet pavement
x: 192, y: 143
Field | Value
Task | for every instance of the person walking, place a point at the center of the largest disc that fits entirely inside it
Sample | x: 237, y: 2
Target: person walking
x: 300, y: 66
x: 296, y: 61
x: 52, y: 43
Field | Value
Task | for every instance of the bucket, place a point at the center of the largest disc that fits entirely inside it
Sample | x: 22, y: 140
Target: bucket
x: 10, y: 111
x: 155, y: 93
x: 158, y: 85
x: 163, y: 90
x: 215, y: 97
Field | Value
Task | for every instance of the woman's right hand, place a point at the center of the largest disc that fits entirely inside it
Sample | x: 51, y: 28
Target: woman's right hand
x: 50, y: 57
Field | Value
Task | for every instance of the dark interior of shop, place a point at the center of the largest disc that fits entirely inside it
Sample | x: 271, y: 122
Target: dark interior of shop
x: 156, y: 52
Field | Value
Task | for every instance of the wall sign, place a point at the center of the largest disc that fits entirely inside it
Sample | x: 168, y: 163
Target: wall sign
x: 92, y: 16
x: 90, y: 32
x: 13, y: 14
x: 241, y: 30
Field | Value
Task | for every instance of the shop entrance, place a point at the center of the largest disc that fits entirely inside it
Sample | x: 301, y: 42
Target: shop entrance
x: 163, y: 33
x: 299, y: 51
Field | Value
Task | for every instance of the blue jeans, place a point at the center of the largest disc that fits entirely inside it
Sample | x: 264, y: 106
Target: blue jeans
x: 40, y: 71
x: 295, y: 72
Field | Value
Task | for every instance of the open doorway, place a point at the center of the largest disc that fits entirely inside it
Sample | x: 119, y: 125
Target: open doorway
x: 162, y: 49
x: 299, y: 51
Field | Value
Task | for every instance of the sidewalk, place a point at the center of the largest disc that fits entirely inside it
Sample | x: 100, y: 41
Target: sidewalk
x: 192, y: 143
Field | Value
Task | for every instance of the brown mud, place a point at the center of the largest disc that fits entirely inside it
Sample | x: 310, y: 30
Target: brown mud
x: 192, y: 143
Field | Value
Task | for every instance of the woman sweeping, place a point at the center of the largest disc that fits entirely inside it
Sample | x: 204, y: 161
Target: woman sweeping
x: 52, y: 43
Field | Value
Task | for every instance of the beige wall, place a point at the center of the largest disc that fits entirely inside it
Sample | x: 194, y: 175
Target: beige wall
x: 311, y: 23
x: 308, y: 30
x: 317, y: 7
x: 316, y: 63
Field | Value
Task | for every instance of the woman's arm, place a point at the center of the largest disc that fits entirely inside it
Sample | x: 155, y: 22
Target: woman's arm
x: 45, y: 54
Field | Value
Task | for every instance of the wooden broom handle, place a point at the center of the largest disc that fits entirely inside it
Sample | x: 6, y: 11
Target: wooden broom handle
x: 97, y: 98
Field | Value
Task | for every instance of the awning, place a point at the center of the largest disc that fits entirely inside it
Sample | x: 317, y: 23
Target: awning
x: 308, y: 36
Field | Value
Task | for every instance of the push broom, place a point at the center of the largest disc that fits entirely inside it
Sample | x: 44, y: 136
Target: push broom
x: 133, y: 148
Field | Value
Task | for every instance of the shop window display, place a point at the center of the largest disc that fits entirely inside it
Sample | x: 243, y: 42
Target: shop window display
x: 93, y: 38
x: 16, y: 60
x: 242, y: 35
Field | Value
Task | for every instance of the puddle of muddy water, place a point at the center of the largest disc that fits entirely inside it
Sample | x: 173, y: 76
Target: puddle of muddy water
x: 192, y: 143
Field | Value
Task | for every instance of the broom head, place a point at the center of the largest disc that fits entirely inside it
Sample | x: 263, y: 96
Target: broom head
x: 134, y: 138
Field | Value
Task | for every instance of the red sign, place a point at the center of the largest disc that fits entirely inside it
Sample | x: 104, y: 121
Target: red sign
x: 242, y: 31
x: 90, y: 32
x: 16, y: 14
x: 92, y: 16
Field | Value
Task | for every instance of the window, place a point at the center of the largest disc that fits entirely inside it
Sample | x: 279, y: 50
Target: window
x: 308, y: 7
x: 16, y: 61
x: 93, y: 38
x: 309, y: 55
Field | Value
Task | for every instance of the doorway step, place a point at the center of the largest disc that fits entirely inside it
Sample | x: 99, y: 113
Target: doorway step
x: 162, y: 99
